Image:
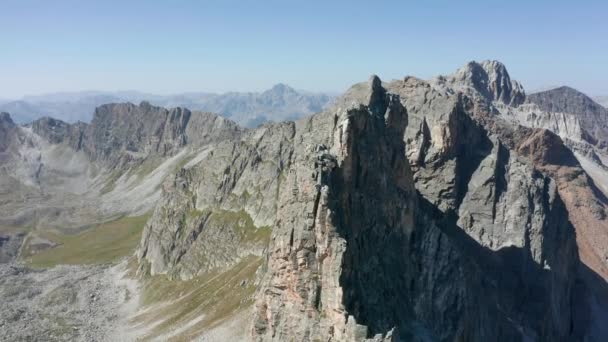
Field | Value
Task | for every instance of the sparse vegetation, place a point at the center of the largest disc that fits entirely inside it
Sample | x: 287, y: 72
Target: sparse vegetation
x: 243, y: 225
x: 146, y: 167
x: 215, y: 297
x: 104, y: 243
x: 110, y: 183
x: 14, y: 229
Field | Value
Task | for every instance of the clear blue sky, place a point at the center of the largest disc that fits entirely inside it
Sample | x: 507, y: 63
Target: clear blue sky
x: 175, y: 46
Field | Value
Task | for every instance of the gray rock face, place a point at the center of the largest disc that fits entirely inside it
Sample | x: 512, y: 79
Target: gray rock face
x: 408, y: 211
x: 398, y: 214
x: 469, y: 172
x: 219, y: 208
x: 57, y: 132
x: 337, y: 250
x: 72, y: 175
x: 128, y: 131
x: 489, y: 79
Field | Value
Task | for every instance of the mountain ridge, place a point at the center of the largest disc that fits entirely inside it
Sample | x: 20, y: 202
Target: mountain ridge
x: 278, y: 103
x: 410, y: 209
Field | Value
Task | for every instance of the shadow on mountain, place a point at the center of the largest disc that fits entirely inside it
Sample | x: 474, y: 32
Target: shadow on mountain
x: 409, y: 266
x: 599, y: 194
x: 590, y: 306
x: 446, y: 286
x: 472, y: 148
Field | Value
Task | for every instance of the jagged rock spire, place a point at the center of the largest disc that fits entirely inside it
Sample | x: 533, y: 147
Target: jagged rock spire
x: 491, y: 79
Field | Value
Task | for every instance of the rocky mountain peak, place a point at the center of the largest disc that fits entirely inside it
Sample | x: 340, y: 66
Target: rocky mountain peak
x: 375, y: 82
x: 405, y: 211
x: 280, y: 90
x: 566, y: 99
x: 370, y: 93
x: 491, y: 79
x: 593, y: 117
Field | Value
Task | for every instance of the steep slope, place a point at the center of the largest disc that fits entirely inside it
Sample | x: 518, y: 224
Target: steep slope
x: 10, y: 238
x: 70, y: 176
x: 407, y: 211
x: 219, y: 207
x: 586, y: 205
x: 120, y: 133
x: 365, y: 246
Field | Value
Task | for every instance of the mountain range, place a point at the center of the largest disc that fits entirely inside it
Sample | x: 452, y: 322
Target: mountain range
x: 279, y: 103
x: 458, y: 208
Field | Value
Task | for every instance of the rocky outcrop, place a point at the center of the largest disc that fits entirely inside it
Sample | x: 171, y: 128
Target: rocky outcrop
x: 488, y: 79
x: 404, y: 212
x: 336, y: 250
x: 219, y: 208
x: 129, y: 131
x: 470, y: 173
x: 10, y: 243
x: 586, y: 203
x: 408, y: 211
x: 124, y: 132
x: 548, y: 154
x: 68, y: 176
x: 58, y: 132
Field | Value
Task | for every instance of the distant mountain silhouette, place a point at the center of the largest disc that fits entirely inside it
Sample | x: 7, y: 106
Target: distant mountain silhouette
x: 250, y: 109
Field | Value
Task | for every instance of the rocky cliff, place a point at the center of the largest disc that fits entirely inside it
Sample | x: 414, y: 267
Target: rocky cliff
x: 541, y: 149
x: 219, y: 207
x: 407, y: 211
x: 69, y: 176
x: 124, y: 132
x: 413, y: 210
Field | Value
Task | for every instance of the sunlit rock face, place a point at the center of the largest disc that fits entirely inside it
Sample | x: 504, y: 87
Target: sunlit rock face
x: 453, y: 209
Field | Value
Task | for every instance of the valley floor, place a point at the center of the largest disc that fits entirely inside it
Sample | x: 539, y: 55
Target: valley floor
x: 67, y: 303
x: 108, y: 303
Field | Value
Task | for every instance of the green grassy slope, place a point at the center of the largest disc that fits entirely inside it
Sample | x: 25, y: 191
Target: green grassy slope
x: 105, y: 243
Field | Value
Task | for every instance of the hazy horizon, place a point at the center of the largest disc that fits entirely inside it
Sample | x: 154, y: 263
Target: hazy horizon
x: 144, y: 93
x: 216, y: 47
